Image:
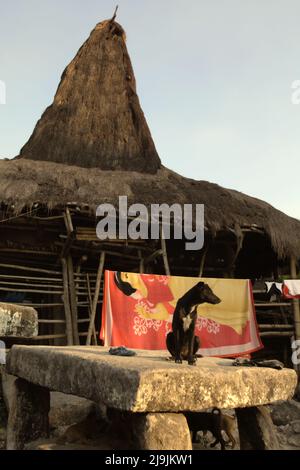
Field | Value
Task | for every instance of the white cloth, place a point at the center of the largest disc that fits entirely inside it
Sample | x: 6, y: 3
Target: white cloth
x: 293, y: 286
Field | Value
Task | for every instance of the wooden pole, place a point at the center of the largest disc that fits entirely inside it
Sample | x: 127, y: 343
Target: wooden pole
x: 296, y: 308
x: 164, y: 252
x: 90, y: 308
x: 203, y: 258
x: 73, y: 300
x: 68, y: 315
x: 142, y: 263
x: 26, y: 268
x: 95, y: 300
x: 295, y: 301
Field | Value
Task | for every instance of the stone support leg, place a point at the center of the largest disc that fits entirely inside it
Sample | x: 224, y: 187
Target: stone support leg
x: 256, y: 429
x: 28, y: 414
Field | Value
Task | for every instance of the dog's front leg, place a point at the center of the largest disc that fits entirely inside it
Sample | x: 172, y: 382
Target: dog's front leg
x: 191, y: 357
x: 178, y: 359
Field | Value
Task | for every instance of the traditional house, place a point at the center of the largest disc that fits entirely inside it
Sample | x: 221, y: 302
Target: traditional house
x: 91, y: 146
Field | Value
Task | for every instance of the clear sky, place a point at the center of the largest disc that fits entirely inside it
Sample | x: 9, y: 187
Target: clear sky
x: 214, y: 79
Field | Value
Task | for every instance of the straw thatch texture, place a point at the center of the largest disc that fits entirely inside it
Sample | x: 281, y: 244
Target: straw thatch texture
x: 96, y: 122
x: 96, y: 119
x: 25, y: 182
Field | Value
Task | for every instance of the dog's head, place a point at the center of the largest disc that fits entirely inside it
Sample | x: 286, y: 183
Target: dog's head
x: 205, y: 294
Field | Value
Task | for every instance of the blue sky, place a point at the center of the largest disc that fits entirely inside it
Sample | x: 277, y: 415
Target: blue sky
x: 214, y: 79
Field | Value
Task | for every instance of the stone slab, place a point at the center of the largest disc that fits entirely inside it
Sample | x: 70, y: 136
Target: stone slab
x: 148, y: 382
x: 162, y: 431
x: 18, y: 321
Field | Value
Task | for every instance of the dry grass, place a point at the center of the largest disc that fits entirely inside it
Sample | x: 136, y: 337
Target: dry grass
x: 24, y: 182
x: 93, y: 144
x: 96, y: 119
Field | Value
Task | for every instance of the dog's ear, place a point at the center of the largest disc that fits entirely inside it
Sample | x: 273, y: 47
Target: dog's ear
x: 200, y: 284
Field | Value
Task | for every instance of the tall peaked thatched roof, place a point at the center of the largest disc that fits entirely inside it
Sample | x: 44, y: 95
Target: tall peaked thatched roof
x: 96, y: 119
x: 96, y: 122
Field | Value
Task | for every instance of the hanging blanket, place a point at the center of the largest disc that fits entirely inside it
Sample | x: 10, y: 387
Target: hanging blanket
x: 291, y: 289
x: 138, y: 308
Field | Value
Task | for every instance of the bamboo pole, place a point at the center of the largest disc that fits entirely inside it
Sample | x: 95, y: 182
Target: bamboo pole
x: 28, y: 252
x: 95, y: 300
x: 203, y: 258
x: 270, y: 326
x: 153, y: 256
x: 31, y: 291
x: 164, y: 252
x: 31, y: 278
x: 295, y: 301
x: 54, y: 322
x: 36, y: 305
x: 43, y: 337
x: 276, y: 333
x: 70, y: 227
x: 27, y: 284
x: 68, y: 314
x: 26, y: 268
x: 91, y: 305
x: 142, y: 263
x: 296, y: 307
x: 73, y: 301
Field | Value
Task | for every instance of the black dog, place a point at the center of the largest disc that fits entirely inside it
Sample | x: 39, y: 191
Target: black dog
x: 181, y: 342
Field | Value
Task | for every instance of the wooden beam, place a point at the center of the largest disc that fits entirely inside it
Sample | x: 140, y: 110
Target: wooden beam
x: 270, y: 334
x: 142, y: 263
x: 31, y: 291
x: 276, y: 326
x: 26, y: 284
x: 40, y: 320
x: 296, y: 308
x: 28, y: 252
x: 26, y: 268
x: 164, y: 252
x: 68, y: 314
x: 31, y: 278
x: 43, y: 337
x: 70, y: 234
x: 69, y: 222
x: 153, y: 256
x: 203, y: 258
x: 95, y: 300
x: 73, y: 301
x: 90, y: 308
x: 272, y: 304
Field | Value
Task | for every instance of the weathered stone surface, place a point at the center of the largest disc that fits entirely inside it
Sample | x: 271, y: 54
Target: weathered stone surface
x: 148, y: 382
x: 28, y: 414
x: 3, y: 354
x: 256, y: 429
x: 17, y: 320
x: 296, y: 426
x: 3, y: 419
x: 284, y: 412
x: 8, y: 388
x: 282, y: 435
x: 68, y: 409
x: 161, y: 431
x: 294, y: 440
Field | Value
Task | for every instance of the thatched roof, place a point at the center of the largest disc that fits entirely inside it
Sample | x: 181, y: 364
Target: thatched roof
x: 25, y: 182
x: 96, y: 119
x: 93, y: 144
